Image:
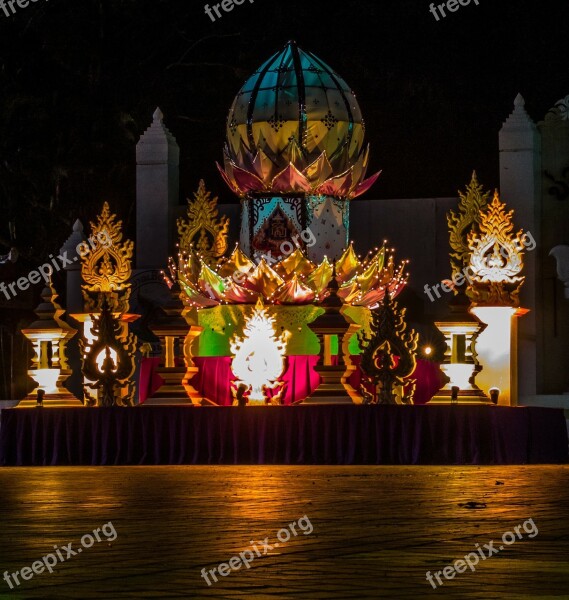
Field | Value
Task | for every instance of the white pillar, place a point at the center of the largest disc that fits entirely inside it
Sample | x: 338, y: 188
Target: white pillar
x: 520, y: 188
x: 157, y: 191
x: 495, y: 347
x: 554, y: 131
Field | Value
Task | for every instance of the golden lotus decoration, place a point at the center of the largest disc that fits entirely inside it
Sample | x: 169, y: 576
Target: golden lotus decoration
x: 294, y: 280
x: 204, y: 230
x: 496, y: 258
x: 255, y: 171
x: 259, y: 356
x: 106, y: 269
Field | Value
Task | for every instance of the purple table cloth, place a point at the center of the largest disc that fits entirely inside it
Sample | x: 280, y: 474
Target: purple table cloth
x: 317, y: 434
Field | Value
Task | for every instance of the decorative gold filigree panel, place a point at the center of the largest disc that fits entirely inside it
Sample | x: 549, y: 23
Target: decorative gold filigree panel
x: 462, y: 223
x: 496, y: 258
x: 106, y: 268
x: 204, y: 230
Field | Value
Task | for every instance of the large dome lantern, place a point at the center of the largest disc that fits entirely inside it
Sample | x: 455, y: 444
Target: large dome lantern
x: 296, y: 127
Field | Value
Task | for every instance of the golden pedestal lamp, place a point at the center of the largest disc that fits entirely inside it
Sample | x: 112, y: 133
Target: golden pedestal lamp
x: 461, y: 364
x: 49, y: 336
x: 177, y: 332
x: 334, y: 387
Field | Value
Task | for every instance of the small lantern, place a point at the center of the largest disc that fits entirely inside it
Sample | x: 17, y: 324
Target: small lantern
x: 49, y: 336
x: 334, y: 387
x: 461, y: 364
x: 177, y: 331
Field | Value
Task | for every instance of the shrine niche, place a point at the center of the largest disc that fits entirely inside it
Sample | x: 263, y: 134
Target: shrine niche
x: 275, y: 235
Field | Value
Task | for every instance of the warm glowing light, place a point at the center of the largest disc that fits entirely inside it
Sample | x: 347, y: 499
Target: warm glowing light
x: 427, y: 350
x: 460, y: 363
x: 258, y: 357
x: 496, y: 258
x: 100, y: 360
x: 107, y: 268
x: 203, y: 229
x: 294, y: 280
x: 88, y: 332
x: 494, y: 347
x: 46, y: 380
x: 49, y: 336
x: 459, y: 375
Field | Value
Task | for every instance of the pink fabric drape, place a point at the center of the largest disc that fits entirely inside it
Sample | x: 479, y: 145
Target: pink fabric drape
x: 148, y: 379
x: 214, y: 378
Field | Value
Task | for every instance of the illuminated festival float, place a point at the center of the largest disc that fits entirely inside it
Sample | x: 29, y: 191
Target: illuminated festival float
x: 296, y: 158
x: 276, y: 342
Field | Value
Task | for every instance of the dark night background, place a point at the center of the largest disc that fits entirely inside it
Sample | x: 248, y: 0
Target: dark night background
x: 79, y: 82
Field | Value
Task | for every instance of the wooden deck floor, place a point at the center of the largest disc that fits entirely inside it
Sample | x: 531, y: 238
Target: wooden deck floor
x: 377, y: 530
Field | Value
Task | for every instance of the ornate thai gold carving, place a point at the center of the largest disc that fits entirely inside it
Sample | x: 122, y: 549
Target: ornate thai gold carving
x: 109, y: 363
x: 106, y: 269
x: 259, y: 356
x: 496, y: 258
x: 389, y: 353
x: 204, y: 230
x: 461, y: 223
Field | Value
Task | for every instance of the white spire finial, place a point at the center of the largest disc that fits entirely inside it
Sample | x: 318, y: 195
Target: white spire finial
x: 519, y: 116
x: 158, y: 115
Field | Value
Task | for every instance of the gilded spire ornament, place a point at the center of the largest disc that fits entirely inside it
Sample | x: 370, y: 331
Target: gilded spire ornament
x: 106, y: 268
x: 496, y: 258
x: 388, y: 355
x: 464, y: 221
x: 204, y: 230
